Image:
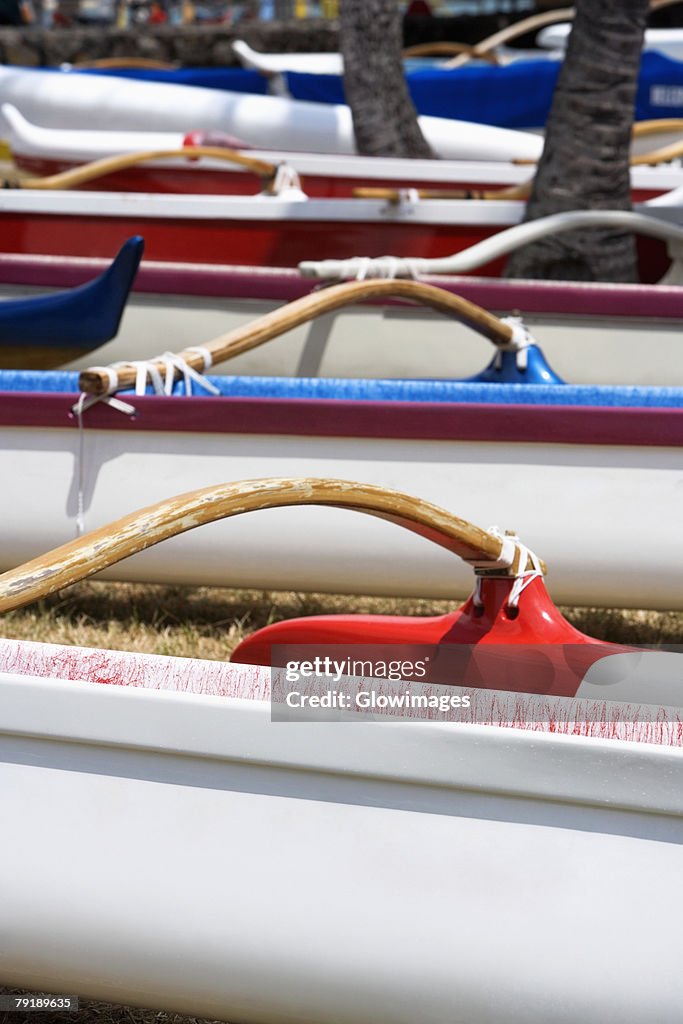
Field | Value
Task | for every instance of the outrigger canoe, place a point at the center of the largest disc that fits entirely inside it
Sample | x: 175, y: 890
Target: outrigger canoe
x: 590, y: 333
x: 48, y: 330
x: 281, y: 229
x: 436, y: 860
x: 555, y: 461
x: 39, y: 150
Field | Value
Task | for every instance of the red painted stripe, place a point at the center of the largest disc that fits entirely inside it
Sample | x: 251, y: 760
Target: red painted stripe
x: 337, y: 418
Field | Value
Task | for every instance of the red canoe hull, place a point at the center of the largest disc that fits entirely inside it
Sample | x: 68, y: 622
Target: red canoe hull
x: 260, y: 243
x: 250, y: 243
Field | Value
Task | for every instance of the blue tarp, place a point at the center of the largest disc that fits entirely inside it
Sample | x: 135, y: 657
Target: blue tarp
x: 389, y: 390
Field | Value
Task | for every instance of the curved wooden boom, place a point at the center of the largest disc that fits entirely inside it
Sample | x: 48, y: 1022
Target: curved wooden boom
x: 144, y: 63
x: 101, y: 548
x: 520, y: 28
x: 500, y: 244
x: 395, y: 195
x: 657, y: 126
x: 95, y: 380
x: 110, y: 164
x: 663, y: 155
x: 444, y: 48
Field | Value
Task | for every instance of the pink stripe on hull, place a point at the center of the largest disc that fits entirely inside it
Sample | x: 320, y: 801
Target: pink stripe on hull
x: 441, y: 421
x: 619, y: 302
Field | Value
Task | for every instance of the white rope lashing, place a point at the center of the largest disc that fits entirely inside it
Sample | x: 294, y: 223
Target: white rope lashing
x: 524, y: 576
x: 512, y: 551
x: 286, y: 185
x: 384, y: 268
x: 520, y: 342
x: 148, y: 371
x: 145, y: 370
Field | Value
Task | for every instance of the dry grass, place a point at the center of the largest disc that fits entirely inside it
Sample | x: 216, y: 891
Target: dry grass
x: 91, y: 1012
x: 205, y: 622
x: 199, y: 622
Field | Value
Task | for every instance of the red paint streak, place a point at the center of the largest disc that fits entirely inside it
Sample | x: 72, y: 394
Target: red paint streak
x: 122, y: 668
x: 125, y: 668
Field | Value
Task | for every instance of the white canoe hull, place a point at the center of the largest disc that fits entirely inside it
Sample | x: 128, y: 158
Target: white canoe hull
x: 580, y: 505
x: 267, y: 122
x: 184, y: 852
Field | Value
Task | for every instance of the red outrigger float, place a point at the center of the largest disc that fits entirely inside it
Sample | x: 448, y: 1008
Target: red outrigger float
x: 542, y: 652
x: 518, y: 639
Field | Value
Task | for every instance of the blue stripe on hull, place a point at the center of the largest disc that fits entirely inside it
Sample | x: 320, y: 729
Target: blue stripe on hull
x: 388, y: 390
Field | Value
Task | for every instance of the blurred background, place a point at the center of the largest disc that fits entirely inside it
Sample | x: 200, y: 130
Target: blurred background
x: 56, y: 13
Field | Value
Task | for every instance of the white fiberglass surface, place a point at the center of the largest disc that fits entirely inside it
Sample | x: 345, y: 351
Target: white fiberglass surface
x: 606, y: 519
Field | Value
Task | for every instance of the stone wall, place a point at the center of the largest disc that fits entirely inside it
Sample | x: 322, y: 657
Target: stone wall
x: 208, y: 45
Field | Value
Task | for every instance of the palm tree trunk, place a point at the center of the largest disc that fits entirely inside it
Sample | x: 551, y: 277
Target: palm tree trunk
x: 585, y: 162
x: 384, y: 118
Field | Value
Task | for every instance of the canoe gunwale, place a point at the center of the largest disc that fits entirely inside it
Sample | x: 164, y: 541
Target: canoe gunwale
x: 444, y: 421
x: 645, y: 778
x: 621, y: 302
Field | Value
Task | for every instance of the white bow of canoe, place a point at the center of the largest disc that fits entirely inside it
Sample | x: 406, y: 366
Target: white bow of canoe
x: 276, y: 63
